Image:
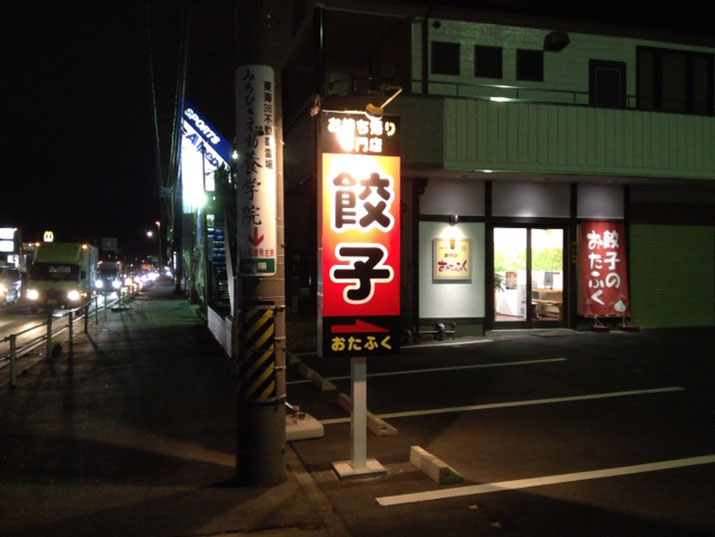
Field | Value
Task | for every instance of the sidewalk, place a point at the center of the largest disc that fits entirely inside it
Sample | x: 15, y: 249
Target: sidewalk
x: 132, y: 433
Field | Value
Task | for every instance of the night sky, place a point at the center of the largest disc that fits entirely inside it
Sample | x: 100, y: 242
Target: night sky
x: 78, y: 145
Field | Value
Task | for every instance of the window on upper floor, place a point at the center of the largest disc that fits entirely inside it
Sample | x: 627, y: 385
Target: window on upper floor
x: 607, y: 83
x: 488, y: 61
x: 445, y: 58
x: 674, y: 81
x: 529, y: 65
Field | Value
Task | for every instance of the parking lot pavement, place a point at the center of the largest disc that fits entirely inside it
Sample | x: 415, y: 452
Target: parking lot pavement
x: 579, y: 434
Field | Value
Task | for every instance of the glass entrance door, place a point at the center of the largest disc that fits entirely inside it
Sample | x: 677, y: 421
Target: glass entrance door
x: 510, y: 274
x: 547, y: 275
x: 528, y: 276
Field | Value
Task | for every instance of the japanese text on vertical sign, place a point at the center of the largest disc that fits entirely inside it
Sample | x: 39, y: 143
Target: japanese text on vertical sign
x: 347, y: 134
x: 360, y: 235
x: 359, y: 343
x: 255, y: 131
x: 605, y: 287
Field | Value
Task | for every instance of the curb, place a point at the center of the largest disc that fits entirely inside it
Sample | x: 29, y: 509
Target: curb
x: 376, y: 425
x: 437, y: 470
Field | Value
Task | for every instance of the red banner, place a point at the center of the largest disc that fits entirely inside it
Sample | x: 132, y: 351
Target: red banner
x: 604, y: 279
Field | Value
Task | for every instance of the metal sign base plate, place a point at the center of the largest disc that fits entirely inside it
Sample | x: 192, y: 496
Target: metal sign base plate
x: 346, y: 470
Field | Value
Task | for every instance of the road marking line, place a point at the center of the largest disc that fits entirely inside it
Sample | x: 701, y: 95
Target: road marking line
x: 441, y: 369
x: 446, y: 344
x: 508, y: 404
x: 516, y: 484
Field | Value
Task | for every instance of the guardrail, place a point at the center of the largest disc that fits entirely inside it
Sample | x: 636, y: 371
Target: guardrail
x: 51, y: 329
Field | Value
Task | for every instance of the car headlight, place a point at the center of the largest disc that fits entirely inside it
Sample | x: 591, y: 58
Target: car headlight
x: 73, y: 295
x: 33, y: 294
x: 116, y: 284
x: 99, y: 284
x: 3, y: 289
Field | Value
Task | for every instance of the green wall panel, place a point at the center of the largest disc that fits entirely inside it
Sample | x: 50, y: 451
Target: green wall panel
x: 672, y: 275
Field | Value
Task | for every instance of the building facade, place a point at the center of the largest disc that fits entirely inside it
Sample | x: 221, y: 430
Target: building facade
x: 517, y: 134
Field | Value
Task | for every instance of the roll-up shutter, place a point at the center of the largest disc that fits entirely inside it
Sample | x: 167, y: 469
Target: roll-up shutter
x: 672, y: 275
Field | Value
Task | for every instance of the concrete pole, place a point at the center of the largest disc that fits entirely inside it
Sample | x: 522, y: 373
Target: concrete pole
x: 260, y: 457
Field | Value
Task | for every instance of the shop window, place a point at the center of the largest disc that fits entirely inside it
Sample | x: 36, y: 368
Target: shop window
x: 530, y: 65
x: 674, y: 81
x: 488, y: 61
x: 445, y: 58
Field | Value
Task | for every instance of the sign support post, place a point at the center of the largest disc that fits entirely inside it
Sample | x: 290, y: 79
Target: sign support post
x: 358, y: 257
x: 358, y: 465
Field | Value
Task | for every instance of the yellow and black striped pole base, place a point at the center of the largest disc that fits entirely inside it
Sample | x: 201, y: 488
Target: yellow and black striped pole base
x: 260, y: 453
x: 258, y: 379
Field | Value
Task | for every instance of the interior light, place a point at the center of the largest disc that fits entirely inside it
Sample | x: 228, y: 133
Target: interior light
x: 499, y: 99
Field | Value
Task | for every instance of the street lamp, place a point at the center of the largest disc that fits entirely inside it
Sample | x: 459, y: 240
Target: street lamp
x: 158, y: 233
x: 150, y: 234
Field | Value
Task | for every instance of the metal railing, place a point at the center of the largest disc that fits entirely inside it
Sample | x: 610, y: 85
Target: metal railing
x: 530, y: 93
x: 49, y: 329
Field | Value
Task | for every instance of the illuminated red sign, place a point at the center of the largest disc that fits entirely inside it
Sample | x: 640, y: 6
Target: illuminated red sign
x: 360, y: 248
x: 604, y: 280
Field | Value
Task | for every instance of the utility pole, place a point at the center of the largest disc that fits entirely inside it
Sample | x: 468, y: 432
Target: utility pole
x: 260, y: 455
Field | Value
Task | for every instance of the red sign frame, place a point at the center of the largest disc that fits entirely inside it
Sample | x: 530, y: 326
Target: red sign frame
x: 604, y: 275
x: 359, y: 254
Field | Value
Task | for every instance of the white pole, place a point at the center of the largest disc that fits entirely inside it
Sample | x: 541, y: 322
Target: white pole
x: 358, y: 465
x: 358, y: 424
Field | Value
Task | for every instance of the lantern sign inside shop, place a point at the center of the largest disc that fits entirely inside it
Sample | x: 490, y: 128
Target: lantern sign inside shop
x: 604, y: 281
x: 359, y: 306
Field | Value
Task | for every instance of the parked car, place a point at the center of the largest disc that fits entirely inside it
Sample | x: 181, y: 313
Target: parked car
x: 10, y: 285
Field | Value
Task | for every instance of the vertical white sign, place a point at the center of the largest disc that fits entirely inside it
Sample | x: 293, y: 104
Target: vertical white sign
x: 255, y: 139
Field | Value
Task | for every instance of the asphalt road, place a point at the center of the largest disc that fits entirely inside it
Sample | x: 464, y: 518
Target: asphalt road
x: 597, y: 434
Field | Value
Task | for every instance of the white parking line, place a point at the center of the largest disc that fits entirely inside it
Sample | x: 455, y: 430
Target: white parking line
x: 440, y: 369
x: 446, y: 344
x: 508, y: 404
x: 470, y: 490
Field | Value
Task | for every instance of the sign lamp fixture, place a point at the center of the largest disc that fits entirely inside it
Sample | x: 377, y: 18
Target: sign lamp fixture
x: 377, y: 111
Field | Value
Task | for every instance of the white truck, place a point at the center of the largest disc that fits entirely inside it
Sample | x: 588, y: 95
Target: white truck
x: 62, y: 275
x: 109, y: 277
